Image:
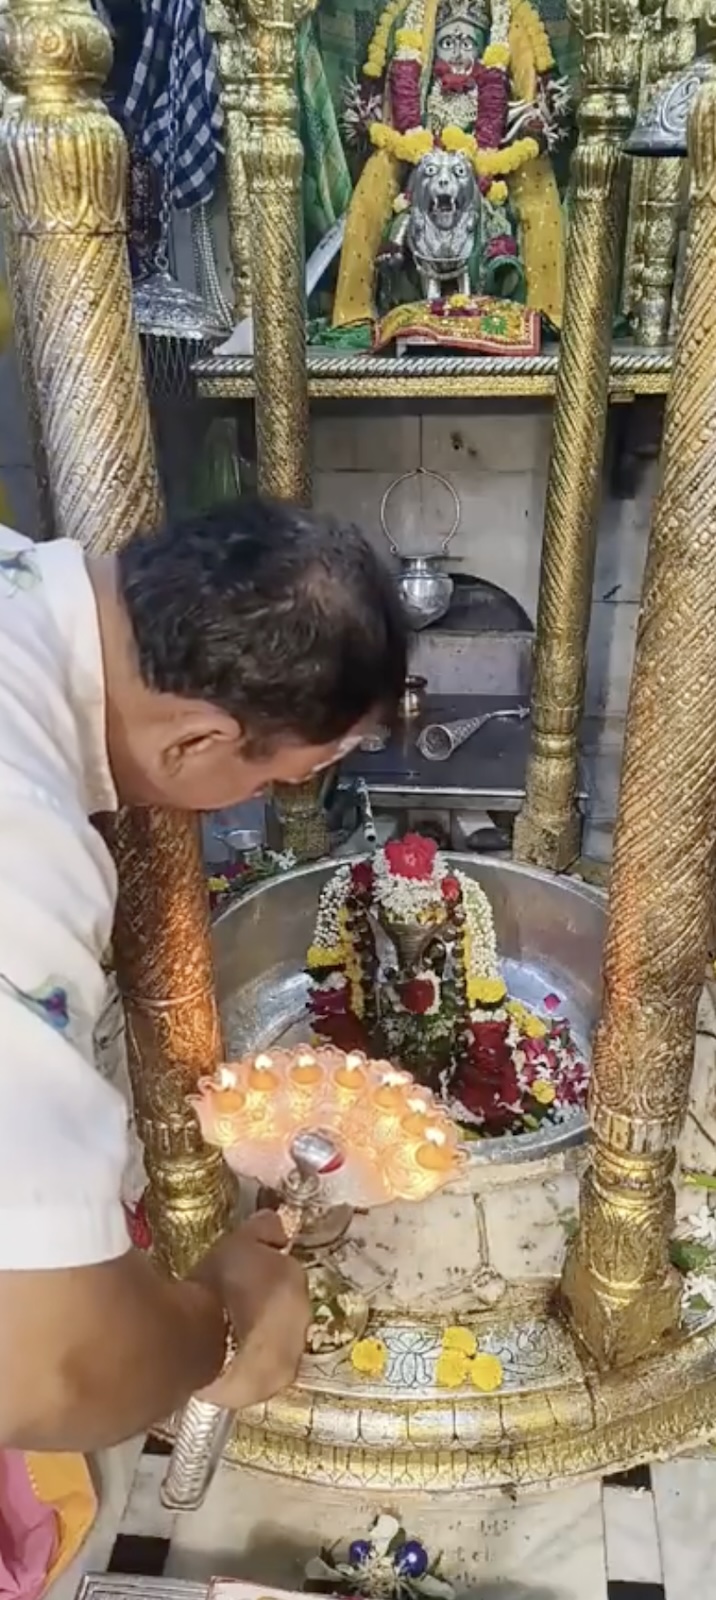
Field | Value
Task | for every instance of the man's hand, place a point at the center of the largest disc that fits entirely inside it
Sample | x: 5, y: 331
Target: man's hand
x: 266, y: 1296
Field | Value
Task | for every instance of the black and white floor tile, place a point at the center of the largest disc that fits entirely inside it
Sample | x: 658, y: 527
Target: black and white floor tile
x: 649, y: 1534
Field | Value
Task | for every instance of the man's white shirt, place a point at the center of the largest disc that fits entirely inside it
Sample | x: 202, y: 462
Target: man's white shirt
x: 63, y: 1129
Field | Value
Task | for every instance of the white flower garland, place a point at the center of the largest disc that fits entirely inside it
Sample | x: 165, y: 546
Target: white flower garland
x: 330, y: 903
x: 445, y: 111
x: 481, y: 928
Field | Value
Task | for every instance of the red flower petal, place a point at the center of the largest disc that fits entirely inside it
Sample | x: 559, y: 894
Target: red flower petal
x: 417, y: 995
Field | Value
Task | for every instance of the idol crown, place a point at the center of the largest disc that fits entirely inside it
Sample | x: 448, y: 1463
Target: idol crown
x: 452, y: 11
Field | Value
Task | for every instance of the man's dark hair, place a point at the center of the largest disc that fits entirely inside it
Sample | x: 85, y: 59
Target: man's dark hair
x: 288, y: 621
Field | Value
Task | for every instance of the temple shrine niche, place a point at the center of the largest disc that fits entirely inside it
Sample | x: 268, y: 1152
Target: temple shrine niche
x: 461, y: 111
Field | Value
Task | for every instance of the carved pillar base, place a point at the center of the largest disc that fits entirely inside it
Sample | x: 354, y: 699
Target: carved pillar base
x: 617, y: 1282
x: 301, y: 818
x: 548, y: 833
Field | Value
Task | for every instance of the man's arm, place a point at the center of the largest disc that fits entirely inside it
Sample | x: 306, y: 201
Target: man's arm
x: 91, y: 1355
x: 94, y: 1343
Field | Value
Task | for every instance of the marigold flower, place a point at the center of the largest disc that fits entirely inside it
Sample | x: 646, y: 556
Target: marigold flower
x: 451, y: 1369
x: 369, y: 1358
x: 543, y: 1092
x: 486, y: 991
x: 457, y: 1338
x: 496, y: 55
x: 533, y: 1026
x: 486, y: 1372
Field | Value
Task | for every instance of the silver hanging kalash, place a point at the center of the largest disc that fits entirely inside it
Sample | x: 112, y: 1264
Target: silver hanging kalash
x: 175, y: 325
x: 662, y: 128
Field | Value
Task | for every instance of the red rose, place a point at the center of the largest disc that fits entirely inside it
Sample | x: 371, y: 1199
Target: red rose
x: 138, y: 1227
x: 493, y: 1102
x: 450, y: 889
x: 411, y: 857
x: 491, y: 1051
x: 362, y: 877
x: 328, y: 1002
x: 417, y: 995
x: 346, y: 1032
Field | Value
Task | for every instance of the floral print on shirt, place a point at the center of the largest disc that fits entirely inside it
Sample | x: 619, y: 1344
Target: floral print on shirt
x: 18, y: 570
x: 50, y: 1001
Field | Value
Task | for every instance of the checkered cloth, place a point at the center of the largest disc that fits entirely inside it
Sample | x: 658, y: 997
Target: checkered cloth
x: 175, y: 32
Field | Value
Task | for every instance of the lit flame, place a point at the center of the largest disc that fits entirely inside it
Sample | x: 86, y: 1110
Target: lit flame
x: 225, y: 1078
x: 263, y: 1063
x: 354, y: 1060
x: 394, y: 1080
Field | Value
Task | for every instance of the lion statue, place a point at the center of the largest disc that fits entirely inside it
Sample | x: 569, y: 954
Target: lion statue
x: 437, y: 235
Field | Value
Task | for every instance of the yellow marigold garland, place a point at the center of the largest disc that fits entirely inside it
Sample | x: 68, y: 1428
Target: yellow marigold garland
x: 321, y: 955
x: 409, y: 147
x: 496, y: 55
x: 490, y: 163
x: 524, y: 14
x: 374, y: 65
x: 497, y: 192
x: 486, y: 991
x: 409, y: 39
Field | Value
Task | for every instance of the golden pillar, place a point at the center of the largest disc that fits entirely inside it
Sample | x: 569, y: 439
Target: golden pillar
x: 23, y: 355
x: 547, y: 829
x: 619, y: 1286
x: 63, y: 173
x: 273, y: 159
x: 228, y: 31
x: 274, y: 169
x: 657, y: 185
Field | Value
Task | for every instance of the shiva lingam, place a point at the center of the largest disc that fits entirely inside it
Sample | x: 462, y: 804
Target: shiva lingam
x: 328, y: 1131
x: 439, y: 740
x: 424, y: 591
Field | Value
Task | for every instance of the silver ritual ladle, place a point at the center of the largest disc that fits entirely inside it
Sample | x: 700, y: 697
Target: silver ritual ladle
x: 204, y: 1427
x: 439, y: 740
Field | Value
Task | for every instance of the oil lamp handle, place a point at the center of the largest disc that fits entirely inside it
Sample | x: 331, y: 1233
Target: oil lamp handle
x: 198, y: 1447
x: 419, y: 472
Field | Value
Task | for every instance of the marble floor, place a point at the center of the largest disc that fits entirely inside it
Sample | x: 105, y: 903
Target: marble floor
x: 645, y: 1535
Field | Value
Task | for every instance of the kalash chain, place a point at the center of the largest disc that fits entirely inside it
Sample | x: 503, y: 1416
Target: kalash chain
x: 404, y: 963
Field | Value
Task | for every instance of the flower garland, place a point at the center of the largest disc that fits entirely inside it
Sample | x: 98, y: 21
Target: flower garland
x: 490, y: 163
x: 446, y: 1014
x: 525, y: 16
x: 374, y: 65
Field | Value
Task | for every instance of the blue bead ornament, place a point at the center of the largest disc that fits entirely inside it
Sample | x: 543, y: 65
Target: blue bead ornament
x: 360, y: 1552
x: 411, y: 1559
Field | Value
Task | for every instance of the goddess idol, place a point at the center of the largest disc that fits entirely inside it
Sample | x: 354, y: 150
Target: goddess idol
x: 461, y: 110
